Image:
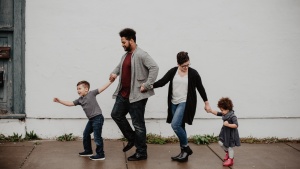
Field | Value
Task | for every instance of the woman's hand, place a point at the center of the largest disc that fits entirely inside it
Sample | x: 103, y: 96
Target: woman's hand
x: 207, y: 107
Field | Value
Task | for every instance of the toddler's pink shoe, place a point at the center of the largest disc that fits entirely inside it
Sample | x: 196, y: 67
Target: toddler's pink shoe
x: 228, y: 162
x: 226, y: 156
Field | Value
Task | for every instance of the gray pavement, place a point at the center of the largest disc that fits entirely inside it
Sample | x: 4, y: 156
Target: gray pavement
x: 49, y: 154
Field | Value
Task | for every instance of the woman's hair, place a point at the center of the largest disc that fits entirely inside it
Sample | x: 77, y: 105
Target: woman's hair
x: 182, y: 57
x: 128, y: 33
x: 225, y: 103
x: 84, y: 83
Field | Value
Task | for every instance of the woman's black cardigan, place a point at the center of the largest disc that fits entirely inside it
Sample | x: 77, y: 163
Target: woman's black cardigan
x: 194, y: 81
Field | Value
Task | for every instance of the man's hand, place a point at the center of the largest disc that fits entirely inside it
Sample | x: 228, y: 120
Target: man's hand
x: 143, y: 89
x: 112, y: 77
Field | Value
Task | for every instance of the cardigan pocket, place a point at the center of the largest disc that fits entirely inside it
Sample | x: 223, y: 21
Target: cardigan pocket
x: 140, y: 81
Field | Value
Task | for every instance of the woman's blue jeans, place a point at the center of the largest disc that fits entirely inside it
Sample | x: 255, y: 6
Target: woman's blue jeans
x: 94, y: 125
x: 177, y: 123
x: 137, y: 111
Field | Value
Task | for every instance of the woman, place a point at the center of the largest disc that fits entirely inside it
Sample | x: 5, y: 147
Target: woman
x: 182, y: 100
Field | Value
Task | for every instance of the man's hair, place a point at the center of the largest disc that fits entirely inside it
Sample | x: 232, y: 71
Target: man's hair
x: 84, y: 83
x: 225, y: 103
x: 128, y: 33
x: 182, y: 57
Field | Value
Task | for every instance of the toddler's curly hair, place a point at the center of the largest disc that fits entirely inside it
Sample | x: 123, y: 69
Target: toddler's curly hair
x: 225, y: 103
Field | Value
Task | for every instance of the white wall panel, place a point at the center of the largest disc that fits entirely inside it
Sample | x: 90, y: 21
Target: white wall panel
x: 247, y: 50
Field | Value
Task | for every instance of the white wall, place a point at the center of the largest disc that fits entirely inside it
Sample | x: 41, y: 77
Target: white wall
x: 246, y: 50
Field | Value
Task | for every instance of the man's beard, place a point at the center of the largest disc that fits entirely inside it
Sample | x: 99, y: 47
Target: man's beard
x: 128, y: 49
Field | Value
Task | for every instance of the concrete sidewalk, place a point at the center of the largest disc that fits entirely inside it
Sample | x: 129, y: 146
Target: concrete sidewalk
x: 64, y: 155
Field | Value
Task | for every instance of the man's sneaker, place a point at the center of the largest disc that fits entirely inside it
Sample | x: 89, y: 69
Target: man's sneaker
x: 97, y: 157
x: 85, y: 154
x: 137, y: 157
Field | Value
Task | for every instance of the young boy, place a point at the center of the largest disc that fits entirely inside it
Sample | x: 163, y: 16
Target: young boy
x: 229, y: 135
x: 92, y: 110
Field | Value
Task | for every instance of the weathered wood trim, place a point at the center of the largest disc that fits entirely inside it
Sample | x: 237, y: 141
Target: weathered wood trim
x: 19, y: 57
x: 13, y: 116
x: 7, y: 29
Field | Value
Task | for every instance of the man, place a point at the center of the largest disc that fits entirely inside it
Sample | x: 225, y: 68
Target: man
x: 137, y: 71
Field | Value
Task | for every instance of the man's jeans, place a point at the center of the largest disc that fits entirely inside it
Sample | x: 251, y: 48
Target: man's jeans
x: 136, y: 111
x: 94, y: 125
x: 177, y: 123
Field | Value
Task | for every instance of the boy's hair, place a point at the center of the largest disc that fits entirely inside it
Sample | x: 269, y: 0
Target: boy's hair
x: 225, y: 103
x: 182, y: 57
x: 128, y: 33
x: 84, y: 83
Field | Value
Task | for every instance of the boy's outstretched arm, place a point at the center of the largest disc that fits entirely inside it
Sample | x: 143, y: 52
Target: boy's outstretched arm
x: 101, y: 89
x: 66, y: 103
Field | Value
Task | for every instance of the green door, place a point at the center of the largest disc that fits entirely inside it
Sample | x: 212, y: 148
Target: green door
x: 5, y: 74
x: 12, y: 52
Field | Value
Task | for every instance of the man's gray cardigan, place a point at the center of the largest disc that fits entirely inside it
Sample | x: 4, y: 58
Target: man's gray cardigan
x: 143, y: 70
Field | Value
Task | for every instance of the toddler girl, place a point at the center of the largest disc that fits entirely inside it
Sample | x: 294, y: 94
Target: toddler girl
x: 229, y: 135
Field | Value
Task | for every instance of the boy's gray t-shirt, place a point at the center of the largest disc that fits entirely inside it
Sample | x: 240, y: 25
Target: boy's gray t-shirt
x: 89, y: 103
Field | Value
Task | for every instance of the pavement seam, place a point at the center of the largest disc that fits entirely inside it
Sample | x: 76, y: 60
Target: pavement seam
x: 216, y: 154
x: 125, y: 157
x: 292, y: 147
x: 27, y: 156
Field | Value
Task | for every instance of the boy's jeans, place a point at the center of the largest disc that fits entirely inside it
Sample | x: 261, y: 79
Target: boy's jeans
x: 94, y: 125
x: 136, y: 111
x: 177, y: 124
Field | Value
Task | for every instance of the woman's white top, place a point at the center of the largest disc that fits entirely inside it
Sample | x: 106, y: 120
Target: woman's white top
x: 180, y: 88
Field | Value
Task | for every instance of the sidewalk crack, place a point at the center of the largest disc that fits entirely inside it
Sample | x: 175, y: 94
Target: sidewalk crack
x: 216, y: 154
x: 292, y: 147
x: 126, y: 162
x: 27, y: 156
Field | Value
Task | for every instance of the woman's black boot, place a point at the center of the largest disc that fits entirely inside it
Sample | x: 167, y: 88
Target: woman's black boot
x: 189, y: 150
x: 180, y: 154
x: 185, y: 155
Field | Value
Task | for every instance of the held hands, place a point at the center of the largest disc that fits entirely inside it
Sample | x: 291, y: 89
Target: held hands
x: 207, y: 108
x: 112, y: 77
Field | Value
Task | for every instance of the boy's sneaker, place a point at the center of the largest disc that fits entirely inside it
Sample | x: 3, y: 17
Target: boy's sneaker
x: 85, y: 154
x: 97, y: 157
